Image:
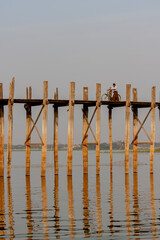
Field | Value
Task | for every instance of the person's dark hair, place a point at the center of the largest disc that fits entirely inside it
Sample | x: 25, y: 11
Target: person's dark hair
x: 114, y: 84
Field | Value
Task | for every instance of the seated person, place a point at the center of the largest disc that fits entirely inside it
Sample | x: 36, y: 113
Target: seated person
x: 113, y: 89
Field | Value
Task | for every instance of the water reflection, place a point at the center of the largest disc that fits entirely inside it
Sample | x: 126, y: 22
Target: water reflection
x: 153, y: 210
x: 56, y: 207
x: 71, y: 207
x: 127, y: 207
x: 44, y: 208
x: 29, y: 208
x: 10, y: 209
x: 98, y: 205
x: 2, y: 209
x: 86, y: 206
x: 111, y: 206
x: 136, y: 224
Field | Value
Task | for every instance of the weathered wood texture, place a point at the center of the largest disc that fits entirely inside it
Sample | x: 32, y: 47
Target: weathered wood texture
x: 44, y: 128
x: 70, y: 128
x: 28, y: 129
x: 152, y: 128
x: 110, y: 136
x: 55, y: 140
x: 1, y: 133
x: 98, y: 124
x: 127, y: 127
x: 135, y: 129
x: 10, y: 126
x: 85, y: 125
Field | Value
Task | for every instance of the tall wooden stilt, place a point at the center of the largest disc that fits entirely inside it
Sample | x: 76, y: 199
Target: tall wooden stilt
x: 1, y: 133
x: 44, y: 128
x: 70, y: 128
x: 28, y: 129
x: 10, y: 126
x: 85, y: 125
x: 56, y: 134
x: 135, y: 129
x: 127, y: 127
x: 152, y: 128
x: 98, y: 113
x: 110, y: 136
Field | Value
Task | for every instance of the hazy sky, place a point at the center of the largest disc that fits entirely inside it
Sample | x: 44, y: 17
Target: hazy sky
x: 86, y: 41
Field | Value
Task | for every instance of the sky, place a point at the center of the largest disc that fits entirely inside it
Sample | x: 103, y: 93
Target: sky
x: 85, y: 41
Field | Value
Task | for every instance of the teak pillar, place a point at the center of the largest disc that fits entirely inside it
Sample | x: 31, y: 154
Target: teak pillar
x: 44, y: 128
x: 1, y: 133
x: 135, y: 129
x: 55, y: 141
x: 85, y: 125
x: 127, y: 127
x: 28, y: 129
x: 10, y: 126
x: 98, y: 115
x: 70, y: 128
x: 110, y: 135
x: 152, y: 128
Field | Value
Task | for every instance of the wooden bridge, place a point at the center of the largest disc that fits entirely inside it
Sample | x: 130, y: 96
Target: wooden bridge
x: 29, y: 103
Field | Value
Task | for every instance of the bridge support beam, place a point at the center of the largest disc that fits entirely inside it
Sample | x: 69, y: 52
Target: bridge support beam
x: 127, y: 127
x: 98, y: 125
x: 85, y: 125
x: 55, y: 140
x: 44, y: 128
x: 135, y: 129
x: 10, y: 126
x: 153, y: 99
x: 1, y: 133
x: 110, y: 136
x: 70, y: 128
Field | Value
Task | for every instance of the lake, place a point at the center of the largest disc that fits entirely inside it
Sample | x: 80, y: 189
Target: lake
x: 116, y: 206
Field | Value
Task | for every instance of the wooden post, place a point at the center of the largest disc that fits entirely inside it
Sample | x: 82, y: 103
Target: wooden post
x: 55, y: 141
x: 110, y: 135
x: 127, y: 127
x: 70, y: 128
x: 85, y: 125
x: 152, y: 128
x: 28, y: 129
x: 1, y: 133
x: 10, y: 126
x: 135, y: 129
x: 44, y: 128
x: 98, y: 115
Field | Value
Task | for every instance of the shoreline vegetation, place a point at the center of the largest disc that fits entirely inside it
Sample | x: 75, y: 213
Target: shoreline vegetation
x: 118, y: 147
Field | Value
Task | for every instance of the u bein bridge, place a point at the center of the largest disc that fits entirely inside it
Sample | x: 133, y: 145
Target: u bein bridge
x: 30, y: 102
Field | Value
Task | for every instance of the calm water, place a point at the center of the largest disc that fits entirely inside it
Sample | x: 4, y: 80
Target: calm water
x: 81, y: 206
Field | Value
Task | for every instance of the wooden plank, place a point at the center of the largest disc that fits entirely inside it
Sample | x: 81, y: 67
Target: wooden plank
x: 28, y: 129
x: 127, y: 127
x: 98, y: 123
x: 10, y: 126
x: 153, y: 98
x: 85, y: 124
x: 44, y: 128
x: 55, y: 141
x: 110, y: 136
x: 1, y: 133
x: 135, y: 128
x: 70, y: 128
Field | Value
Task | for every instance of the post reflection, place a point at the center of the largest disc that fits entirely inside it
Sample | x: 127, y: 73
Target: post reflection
x: 86, y: 206
x: 44, y: 208
x: 111, y: 206
x: 98, y: 205
x: 127, y: 207
x: 2, y: 209
x: 29, y: 208
x: 71, y: 207
x: 10, y: 210
x: 136, y: 205
x: 56, y: 206
x: 153, y: 210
